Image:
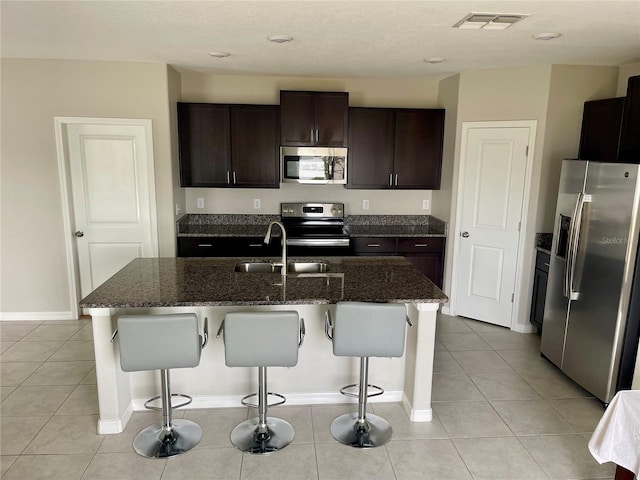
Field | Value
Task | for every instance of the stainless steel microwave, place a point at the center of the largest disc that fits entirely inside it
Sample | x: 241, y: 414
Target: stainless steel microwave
x: 319, y: 165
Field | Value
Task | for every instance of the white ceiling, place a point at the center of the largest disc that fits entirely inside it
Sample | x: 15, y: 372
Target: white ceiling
x: 349, y: 38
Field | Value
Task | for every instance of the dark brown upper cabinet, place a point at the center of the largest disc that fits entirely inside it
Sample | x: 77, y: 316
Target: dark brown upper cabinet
x: 600, y: 134
x: 629, y: 150
x: 371, y: 140
x: 395, y: 148
x: 228, y: 145
x: 314, y: 118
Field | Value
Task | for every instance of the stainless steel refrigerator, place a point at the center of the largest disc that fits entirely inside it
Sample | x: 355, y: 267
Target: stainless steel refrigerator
x: 592, y: 309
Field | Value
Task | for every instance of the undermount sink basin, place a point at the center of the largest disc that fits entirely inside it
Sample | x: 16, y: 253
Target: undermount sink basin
x: 292, y: 267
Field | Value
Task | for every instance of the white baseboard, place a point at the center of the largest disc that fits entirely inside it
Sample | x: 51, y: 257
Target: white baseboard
x: 524, y: 328
x: 425, y: 415
x: 110, y: 427
x: 445, y: 309
x: 37, y: 316
x: 230, y: 401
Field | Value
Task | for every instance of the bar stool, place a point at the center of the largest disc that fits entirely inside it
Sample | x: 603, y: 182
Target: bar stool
x: 365, y: 330
x: 162, y: 342
x: 262, y: 339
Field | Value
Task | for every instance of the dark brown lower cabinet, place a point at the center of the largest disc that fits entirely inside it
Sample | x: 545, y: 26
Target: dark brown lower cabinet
x: 226, y: 247
x: 540, y: 276
x: 426, y: 253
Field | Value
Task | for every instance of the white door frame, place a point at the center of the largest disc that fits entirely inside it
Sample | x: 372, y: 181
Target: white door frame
x: 519, y: 296
x: 60, y: 124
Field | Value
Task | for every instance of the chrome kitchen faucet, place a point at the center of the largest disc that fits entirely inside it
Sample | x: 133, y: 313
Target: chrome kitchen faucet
x: 267, y: 239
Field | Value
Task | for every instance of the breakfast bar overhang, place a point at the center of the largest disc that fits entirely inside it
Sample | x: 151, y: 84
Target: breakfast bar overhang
x: 211, y: 287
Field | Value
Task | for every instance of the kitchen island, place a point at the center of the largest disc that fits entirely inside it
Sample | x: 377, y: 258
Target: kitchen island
x: 211, y: 287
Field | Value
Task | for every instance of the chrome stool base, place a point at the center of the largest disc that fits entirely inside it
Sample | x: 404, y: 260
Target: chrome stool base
x: 375, y: 431
x: 246, y: 438
x: 157, y: 441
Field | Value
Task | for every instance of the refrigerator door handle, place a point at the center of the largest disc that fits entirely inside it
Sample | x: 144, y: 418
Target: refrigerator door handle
x: 573, y: 245
x: 570, y: 241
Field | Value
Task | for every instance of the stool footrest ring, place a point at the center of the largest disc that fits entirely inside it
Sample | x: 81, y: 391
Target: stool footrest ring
x: 255, y: 405
x: 148, y: 405
x: 378, y: 390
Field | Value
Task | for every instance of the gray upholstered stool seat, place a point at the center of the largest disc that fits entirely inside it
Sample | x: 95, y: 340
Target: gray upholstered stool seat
x: 162, y: 342
x: 262, y: 339
x: 365, y: 330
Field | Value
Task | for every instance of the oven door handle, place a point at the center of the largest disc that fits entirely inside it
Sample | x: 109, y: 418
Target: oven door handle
x: 318, y: 242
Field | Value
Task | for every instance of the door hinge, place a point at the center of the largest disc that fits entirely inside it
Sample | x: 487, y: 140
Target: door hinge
x: 526, y: 152
x: 519, y: 225
x: 512, y: 295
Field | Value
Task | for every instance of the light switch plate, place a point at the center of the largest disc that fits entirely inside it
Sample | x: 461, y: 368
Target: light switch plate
x: 365, y: 204
x: 426, y: 204
x: 200, y: 202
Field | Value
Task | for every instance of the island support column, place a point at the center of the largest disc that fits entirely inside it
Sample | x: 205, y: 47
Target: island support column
x: 114, y: 389
x: 418, y: 379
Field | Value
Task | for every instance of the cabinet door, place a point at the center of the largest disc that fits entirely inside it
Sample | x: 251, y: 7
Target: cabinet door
x: 331, y: 111
x: 430, y: 264
x: 370, y: 157
x: 418, y: 148
x: 297, y: 118
x: 600, y: 134
x: 254, y: 141
x: 426, y: 253
x: 203, y: 139
x: 629, y: 136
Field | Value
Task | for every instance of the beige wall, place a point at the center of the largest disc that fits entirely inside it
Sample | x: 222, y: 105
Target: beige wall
x: 570, y: 87
x: 32, y: 255
x: 418, y: 93
x: 174, y: 81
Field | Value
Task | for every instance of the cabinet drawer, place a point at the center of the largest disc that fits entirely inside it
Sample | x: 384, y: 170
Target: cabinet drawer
x: 542, y: 261
x: 197, y: 246
x: 373, y: 245
x: 420, y: 244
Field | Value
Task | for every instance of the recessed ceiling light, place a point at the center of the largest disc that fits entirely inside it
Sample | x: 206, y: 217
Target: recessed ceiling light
x: 279, y: 38
x: 546, y: 35
x: 434, y: 60
x: 219, y: 54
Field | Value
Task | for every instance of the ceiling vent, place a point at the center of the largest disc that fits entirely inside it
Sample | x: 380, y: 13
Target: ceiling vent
x: 489, y: 21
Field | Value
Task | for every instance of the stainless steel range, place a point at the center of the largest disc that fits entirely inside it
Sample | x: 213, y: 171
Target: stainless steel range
x: 315, y: 228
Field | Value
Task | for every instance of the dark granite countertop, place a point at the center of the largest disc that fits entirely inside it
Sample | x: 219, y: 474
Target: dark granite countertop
x: 176, y: 282
x: 230, y: 225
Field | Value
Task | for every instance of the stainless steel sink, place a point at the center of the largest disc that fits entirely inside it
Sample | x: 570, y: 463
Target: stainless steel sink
x: 292, y: 267
x: 256, y: 267
x: 307, y: 267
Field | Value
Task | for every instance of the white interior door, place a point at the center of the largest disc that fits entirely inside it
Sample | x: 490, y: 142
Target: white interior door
x: 493, y: 168
x: 113, y: 196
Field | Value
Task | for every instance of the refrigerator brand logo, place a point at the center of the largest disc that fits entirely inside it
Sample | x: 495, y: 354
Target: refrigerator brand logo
x: 614, y: 240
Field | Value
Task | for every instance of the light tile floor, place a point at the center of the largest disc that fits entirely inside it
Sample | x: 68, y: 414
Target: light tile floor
x: 500, y: 412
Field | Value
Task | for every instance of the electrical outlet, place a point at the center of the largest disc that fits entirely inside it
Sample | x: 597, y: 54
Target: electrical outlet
x: 256, y: 203
x: 177, y: 209
x: 200, y: 202
x: 426, y: 204
x: 365, y: 204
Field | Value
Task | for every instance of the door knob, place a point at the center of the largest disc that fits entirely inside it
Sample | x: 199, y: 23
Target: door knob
x: 79, y: 233
x: 464, y: 234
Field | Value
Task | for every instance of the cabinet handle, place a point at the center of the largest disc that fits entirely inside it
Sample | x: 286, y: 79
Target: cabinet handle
x: 547, y: 265
x: 373, y: 244
x: 234, y: 177
x: 255, y: 244
x: 312, y: 134
x: 317, y: 135
x: 420, y: 245
x: 391, y: 179
x: 396, y: 179
x: 228, y: 181
x: 205, y: 245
